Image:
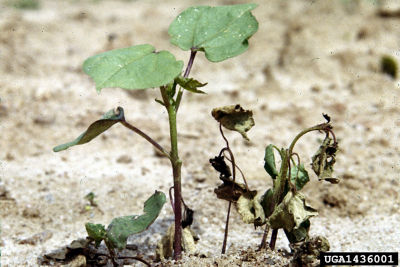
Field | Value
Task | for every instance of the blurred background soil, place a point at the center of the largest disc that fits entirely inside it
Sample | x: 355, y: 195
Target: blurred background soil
x: 307, y: 58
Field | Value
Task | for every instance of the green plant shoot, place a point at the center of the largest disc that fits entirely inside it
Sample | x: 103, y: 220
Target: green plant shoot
x: 220, y: 32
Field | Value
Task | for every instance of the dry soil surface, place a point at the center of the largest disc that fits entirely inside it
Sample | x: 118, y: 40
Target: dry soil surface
x: 307, y: 58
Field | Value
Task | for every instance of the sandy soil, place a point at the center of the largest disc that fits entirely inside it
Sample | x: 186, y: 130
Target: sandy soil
x: 307, y: 58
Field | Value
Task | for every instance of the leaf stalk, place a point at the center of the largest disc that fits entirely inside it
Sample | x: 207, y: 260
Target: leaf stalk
x: 148, y: 138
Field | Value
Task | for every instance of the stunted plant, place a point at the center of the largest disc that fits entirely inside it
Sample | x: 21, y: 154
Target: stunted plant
x: 220, y: 32
x: 282, y: 206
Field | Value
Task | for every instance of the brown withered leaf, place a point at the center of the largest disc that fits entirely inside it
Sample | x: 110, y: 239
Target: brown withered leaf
x: 324, y: 159
x: 220, y: 166
x: 231, y: 191
x: 234, y: 118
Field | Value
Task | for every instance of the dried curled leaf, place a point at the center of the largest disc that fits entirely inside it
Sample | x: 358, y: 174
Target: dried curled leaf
x: 65, y: 254
x: 250, y: 209
x: 220, y: 166
x: 230, y: 191
x: 234, y: 118
x: 291, y: 212
x: 324, y: 159
x: 165, y: 247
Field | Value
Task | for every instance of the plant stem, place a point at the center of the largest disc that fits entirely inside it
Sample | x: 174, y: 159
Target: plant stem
x: 319, y: 127
x: 226, y: 229
x: 176, y: 164
x: 278, y: 189
x: 232, y: 159
x: 112, y: 255
x: 274, y: 235
x: 186, y: 74
x: 148, y: 138
x: 264, y: 238
x: 280, y: 181
x: 190, y: 63
x: 172, y: 108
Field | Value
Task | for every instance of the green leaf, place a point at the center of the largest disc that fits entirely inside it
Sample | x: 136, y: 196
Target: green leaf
x: 96, y: 231
x: 291, y: 212
x: 109, y: 119
x: 269, y: 160
x: 136, y: 67
x: 221, y: 32
x: 299, y: 234
x: 299, y: 176
x: 234, y: 118
x: 190, y: 84
x: 267, y: 202
x: 122, y: 227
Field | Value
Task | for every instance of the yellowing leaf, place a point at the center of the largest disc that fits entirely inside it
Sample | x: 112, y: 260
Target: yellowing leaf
x: 234, y: 118
x: 250, y: 209
x: 291, y: 212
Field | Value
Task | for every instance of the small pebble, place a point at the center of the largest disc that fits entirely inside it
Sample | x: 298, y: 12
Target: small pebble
x: 124, y: 159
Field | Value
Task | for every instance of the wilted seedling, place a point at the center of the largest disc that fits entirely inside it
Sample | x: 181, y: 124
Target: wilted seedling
x: 282, y: 206
x: 220, y: 32
x: 237, y: 119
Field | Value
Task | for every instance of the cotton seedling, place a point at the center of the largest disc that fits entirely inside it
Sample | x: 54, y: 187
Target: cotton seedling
x: 282, y: 206
x: 220, y: 32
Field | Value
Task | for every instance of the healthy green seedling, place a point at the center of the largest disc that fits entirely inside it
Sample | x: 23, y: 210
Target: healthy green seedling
x: 220, y: 32
x: 117, y: 233
x: 282, y: 206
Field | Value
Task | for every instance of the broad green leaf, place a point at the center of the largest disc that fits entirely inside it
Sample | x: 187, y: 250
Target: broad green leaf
x: 221, y: 32
x: 299, y: 234
x: 96, y: 231
x: 136, y: 67
x: 122, y: 227
x: 96, y: 128
x: 269, y: 160
x: 234, y: 118
x: 267, y: 202
x: 291, y: 212
x: 299, y: 176
x: 190, y: 84
x: 323, y: 161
